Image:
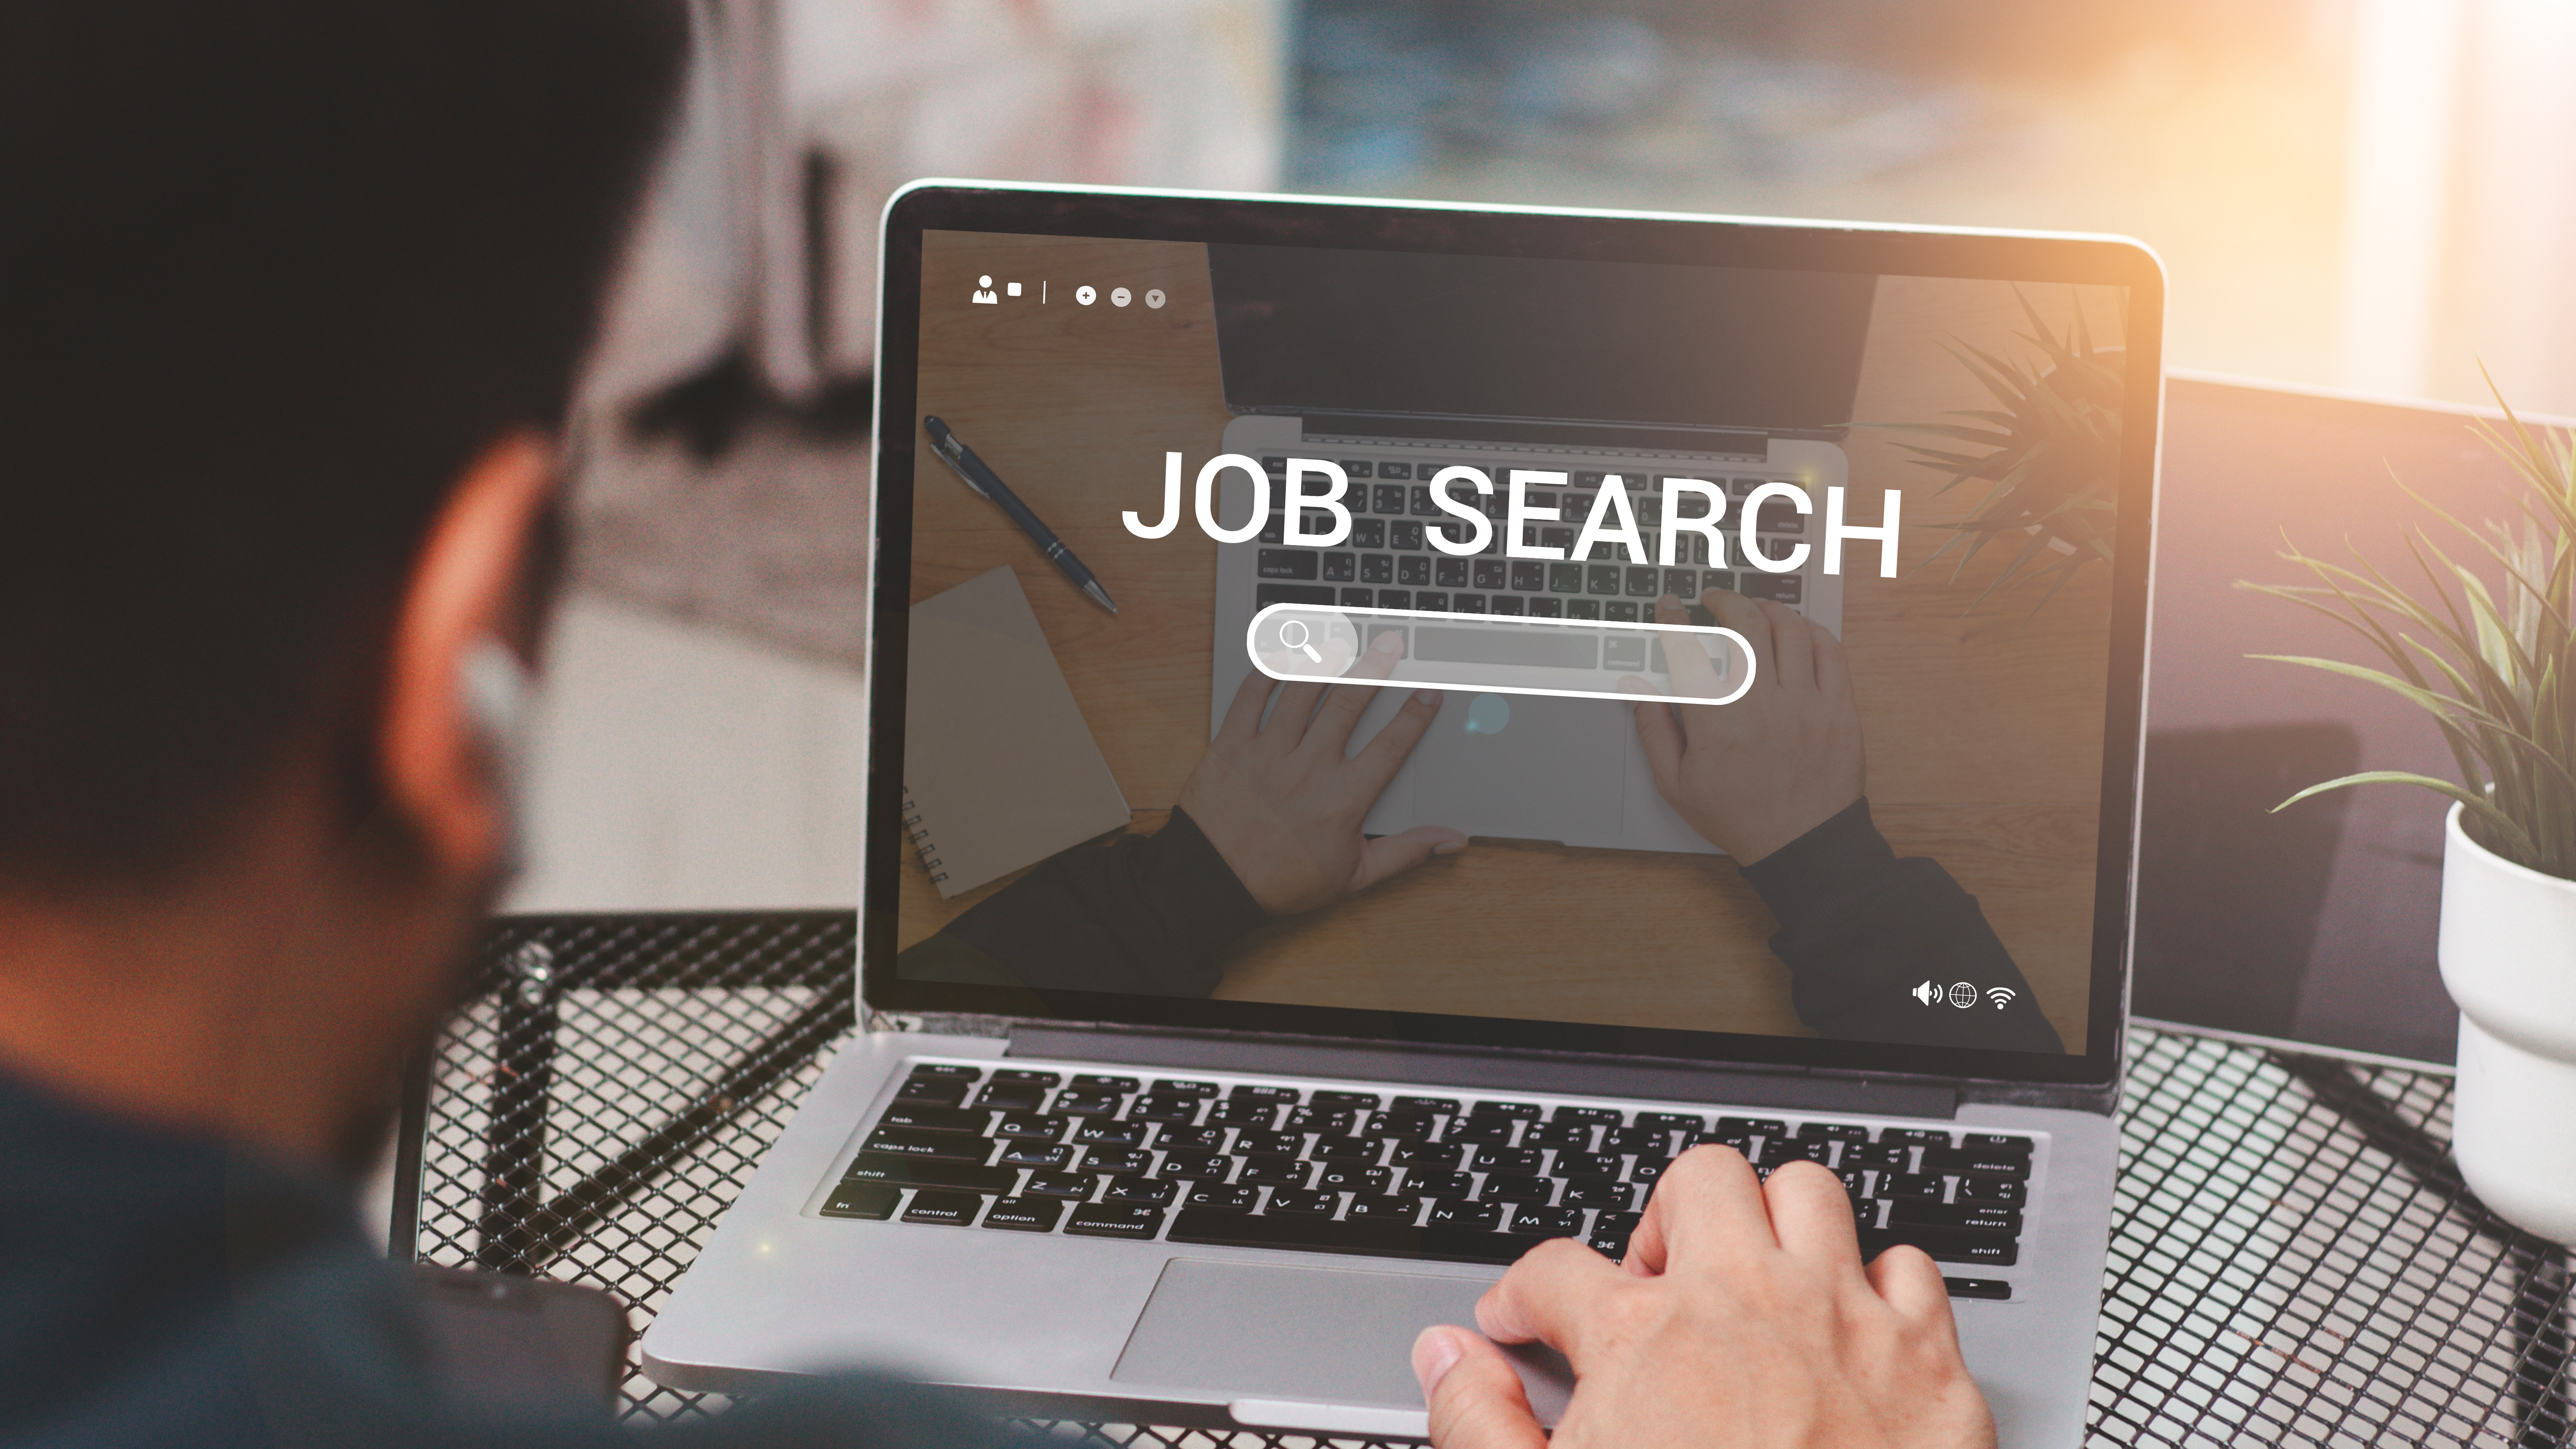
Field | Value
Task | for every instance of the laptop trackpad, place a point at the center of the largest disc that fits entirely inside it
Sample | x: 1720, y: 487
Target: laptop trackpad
x: 1317, y: 1335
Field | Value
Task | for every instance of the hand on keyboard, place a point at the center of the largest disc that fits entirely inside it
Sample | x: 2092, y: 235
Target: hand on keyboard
x: 1754, y: 775
x: 1743, y: 1315
x: 1282, y: 802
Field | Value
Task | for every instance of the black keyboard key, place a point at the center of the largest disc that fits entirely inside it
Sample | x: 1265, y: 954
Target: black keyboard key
x: 953, y: 1070
x: 1341, y: 568
x: 1546, y: 1222
x: 1509, y: 604
x: 1528, y: 578
x: 1209, y: 1165
x: 1183, y: 1088
x: 1357, y: 467
x: 1511, y: 1161
x: 1564, y: 1136
x: 1272, y: 1096
x: 1275, y: 1171
x: 1025, y: 1214
x: 1644, y: 583
x: 1414, y: 572
x: 1403, y: 1126
x: 1431, y: 1106
x: 1354, y: 1177
x: 1547, y: 608
x: 1832, y: 1132
x: 1899, y: 1185
x: 1466, y: 603
x: 1984, y: 1216
x: 1110, y: 1134
x: 1423, y: 507
x: 1780, y: 515
x: 1449, y: 573
x: 1191, y: 1139
x: 1114, y: 1220
x: 870, y: 1200
x: 1059, y: 1184
x: 1383, y: 1209
x: 1345, y: 1149
x: 1031, y: 1127
x: 1782, y: 588
x: 1116, y: 1159
x: 1050, y: 1156
x: 1335, y: 1121
x: 1583, y: 608
x: 1025, y: 1077
x: 1648, y: 1169
x: 1435, y: 1156
x: 1994, y: 1288
x: 1600, y: 1116
x: 931, y: 1117
x: 1598, y: 1192
x: 1883, y: 1156
x: 1257, y: 1115
x: 1746, y: 1126
x: 954, y: 1209
x: 1452, y: 1213
x: 1235, y: 1197
x: 1682, y: 584
x: 1519, y: 1111
x: 1153, y: 1190
x: 1395, y: 470
x: 1095, y: 1083
x: 1637, y: 1139
x: 1996, y: 1142
x: 1776, y: 1151
x: 1439, y: 1184
x: 1265, y: 595
x: 1992, y: 1189
x: 1565, y: 578
x: 1269, y: 1144
x: 951, y: 1146
x: 1633, y: 654
x: 1965, y: 1161
x: 1358, y: 599
x: 1430, y: 601
x: 1274, y: 531
x: 1601, y: 579
x: 1368, y: 533
x: 1386, y: 498
x: 944, y: 1091
x: 1946, y: 1245
x: 1074, y: 1102
x: 1377, y: 568
x: 1299, y: 1200
x: 1527, y: 1191
x: 1490, y: 574
x: 1711, y: 579
x: 1163, y: 1107
x: 1586, y: 1164
x: 1483, y: 1130
x: 1370, y: 1237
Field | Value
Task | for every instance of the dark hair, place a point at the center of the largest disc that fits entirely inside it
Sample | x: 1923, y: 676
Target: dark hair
x: 272, y: 274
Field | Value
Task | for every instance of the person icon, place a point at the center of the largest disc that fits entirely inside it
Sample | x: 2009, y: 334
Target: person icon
x: 984, y: 292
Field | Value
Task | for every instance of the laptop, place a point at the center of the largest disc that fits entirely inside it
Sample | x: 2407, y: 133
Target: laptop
x: 1123, y: 1142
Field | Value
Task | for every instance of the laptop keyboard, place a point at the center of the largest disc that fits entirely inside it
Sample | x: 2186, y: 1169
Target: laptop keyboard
x: 1453, y: 1178
x: 1388, y: 561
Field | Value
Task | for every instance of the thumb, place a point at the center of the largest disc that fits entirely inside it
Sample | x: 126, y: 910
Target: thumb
x: 1476, y: 1400
x: 1394, y: 854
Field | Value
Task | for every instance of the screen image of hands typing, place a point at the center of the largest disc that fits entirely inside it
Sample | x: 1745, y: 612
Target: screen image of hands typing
x: 1597, y: 642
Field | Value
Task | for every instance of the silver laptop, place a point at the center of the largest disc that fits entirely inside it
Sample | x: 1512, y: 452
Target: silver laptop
x: 1122, y: 1145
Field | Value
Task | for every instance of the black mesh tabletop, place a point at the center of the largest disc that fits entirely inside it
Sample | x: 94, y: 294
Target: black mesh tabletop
x: 2293, y: 1258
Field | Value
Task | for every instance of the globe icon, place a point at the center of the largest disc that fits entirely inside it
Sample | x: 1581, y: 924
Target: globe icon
x: 1962, y: 994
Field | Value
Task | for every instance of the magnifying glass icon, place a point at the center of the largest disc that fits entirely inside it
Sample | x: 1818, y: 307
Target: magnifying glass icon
x: 1295, y: 635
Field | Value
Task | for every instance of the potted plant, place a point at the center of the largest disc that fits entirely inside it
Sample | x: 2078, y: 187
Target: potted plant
x: 2495, y: 667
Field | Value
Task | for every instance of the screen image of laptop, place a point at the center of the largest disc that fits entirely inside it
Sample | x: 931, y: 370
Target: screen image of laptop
x: 1487, y: 584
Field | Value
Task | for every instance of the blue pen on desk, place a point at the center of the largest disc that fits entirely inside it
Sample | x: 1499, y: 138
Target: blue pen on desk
x: 953, y: 451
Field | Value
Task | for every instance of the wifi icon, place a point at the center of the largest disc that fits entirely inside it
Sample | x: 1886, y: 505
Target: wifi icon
x: 2000, y: 996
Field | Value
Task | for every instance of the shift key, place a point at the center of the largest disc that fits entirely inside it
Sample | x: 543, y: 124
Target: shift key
x: 910, y: 1142
x: 929, y: 1172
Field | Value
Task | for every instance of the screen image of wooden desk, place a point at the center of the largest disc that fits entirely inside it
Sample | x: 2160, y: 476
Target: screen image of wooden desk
x: 1983, y: 722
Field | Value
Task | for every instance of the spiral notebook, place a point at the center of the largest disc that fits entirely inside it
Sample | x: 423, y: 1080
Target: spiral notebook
x: 999, y: 769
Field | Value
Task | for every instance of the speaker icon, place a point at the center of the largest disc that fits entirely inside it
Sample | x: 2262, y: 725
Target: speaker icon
x: 1927, y: 993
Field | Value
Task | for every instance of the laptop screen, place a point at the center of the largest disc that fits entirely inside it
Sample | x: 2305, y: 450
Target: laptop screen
x: 1579, y: 633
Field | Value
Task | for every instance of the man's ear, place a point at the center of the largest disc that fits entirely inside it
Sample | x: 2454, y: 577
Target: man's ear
x: 440, y: 765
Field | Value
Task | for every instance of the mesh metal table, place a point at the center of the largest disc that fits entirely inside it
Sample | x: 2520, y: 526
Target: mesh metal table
x: 2293, y: 1259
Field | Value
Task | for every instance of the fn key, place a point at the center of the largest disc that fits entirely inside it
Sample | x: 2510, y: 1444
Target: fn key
x: 862, y: 1200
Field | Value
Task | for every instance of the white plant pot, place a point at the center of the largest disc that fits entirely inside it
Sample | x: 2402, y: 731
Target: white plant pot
x: 2508, y: 954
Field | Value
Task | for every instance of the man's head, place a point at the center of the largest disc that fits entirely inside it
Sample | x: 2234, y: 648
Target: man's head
x: 292, y: 296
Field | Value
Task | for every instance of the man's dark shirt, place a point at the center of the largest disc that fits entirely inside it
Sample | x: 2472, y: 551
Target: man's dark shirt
x: 160, y: 1287
x: 1859, y: 930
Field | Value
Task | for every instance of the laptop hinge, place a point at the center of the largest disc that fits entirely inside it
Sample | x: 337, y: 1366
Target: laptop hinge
x: 1566, y: 1073
x: 1542, y: 433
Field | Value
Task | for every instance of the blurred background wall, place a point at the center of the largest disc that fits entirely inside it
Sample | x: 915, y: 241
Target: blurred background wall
x: 2366, y: 194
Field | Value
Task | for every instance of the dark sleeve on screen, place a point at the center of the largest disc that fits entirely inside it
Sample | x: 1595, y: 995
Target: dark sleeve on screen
x: 1862, y: 931
x: 1154, y: 914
